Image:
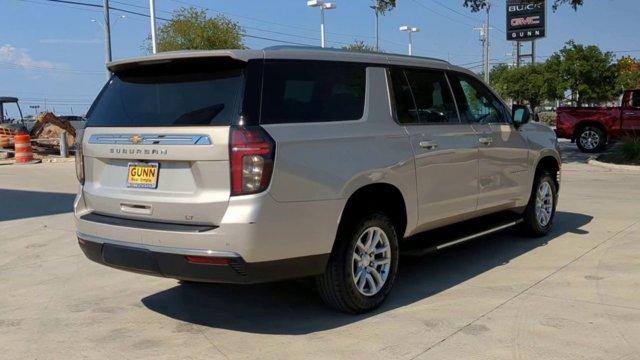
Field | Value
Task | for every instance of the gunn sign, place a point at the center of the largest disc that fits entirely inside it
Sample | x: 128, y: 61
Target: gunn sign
x: 526, y: 20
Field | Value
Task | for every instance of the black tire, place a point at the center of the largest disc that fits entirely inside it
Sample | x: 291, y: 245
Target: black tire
x: 586, y: 139
x: 337, y: 286
x: 532, y: 225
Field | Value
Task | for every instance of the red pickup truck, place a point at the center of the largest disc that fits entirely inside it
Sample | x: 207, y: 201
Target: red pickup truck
x: 593, y: 127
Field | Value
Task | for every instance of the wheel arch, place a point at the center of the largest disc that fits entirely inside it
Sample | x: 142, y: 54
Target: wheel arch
x: 580, y: 125
x: 383, y: 197
x: 551, y: 163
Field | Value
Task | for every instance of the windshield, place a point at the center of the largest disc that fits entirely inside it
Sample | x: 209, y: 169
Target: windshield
x: 206, y: 92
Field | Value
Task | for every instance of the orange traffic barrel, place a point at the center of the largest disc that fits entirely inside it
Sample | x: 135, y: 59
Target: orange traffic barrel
x: 24, y: 153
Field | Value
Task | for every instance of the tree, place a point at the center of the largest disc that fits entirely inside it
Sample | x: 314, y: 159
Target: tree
x: 382, y: 6
x: 477, y: 5
x: 628, y: 70
x: 532, y: 84
x: 585, y: 71
x: 192, y: 29
x: 360, y: 46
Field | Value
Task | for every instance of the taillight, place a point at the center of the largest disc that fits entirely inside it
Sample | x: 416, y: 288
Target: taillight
x: 251, y: 153
x: 79, y: 157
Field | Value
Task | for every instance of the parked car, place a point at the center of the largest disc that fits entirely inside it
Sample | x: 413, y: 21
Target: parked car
x: 592, y: 128
x: 245, y: 166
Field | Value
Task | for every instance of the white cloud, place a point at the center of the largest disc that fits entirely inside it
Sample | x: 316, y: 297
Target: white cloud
x: 20, y: 57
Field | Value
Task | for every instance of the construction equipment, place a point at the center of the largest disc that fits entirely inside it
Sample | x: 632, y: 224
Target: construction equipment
x: 7, y: 123
x: 42, y: 130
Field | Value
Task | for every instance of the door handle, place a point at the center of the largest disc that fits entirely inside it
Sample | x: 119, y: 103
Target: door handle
x: 485, y: 140
x: 429, y: 145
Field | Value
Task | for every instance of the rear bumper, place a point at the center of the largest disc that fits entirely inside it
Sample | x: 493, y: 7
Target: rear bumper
x: 172, y: 262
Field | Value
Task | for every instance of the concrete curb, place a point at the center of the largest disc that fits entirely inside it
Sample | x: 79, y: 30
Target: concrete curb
x: 601, y: 164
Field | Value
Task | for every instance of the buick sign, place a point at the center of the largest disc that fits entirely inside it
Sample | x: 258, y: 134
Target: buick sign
x: 526, y: 20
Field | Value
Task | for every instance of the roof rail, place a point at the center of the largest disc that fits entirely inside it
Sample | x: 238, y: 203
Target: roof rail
x: 318, y: 48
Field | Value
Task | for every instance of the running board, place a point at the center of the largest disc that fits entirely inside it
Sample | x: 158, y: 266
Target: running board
x: 442, y: 242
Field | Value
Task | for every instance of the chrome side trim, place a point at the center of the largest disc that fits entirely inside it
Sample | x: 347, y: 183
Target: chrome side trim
x: 477, y: 235
x: 150, y: 139
x: 160, y: 249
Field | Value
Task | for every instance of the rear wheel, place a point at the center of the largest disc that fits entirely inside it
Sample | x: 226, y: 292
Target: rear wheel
x: 590, y: 139
x: 362, y: 267
x: 539, y: 214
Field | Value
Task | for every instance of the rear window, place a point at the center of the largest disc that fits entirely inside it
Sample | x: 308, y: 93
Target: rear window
x: 179, y: 93
x: 312, y: 91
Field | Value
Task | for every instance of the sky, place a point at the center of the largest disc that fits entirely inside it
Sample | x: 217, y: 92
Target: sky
x: 52, y: 54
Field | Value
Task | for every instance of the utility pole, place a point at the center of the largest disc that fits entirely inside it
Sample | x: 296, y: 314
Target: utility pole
x: 107, y: 35
x: 533, y: 51
x: 152, y: 13
x: 483, y: 40
x: 487, y: 27
x: 374, y: 7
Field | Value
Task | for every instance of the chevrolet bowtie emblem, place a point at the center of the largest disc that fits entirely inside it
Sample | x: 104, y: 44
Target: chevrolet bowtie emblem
x: 135, y: 139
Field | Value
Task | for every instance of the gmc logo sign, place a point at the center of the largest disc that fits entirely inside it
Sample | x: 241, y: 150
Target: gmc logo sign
x: 523, y: 21
x: 526, y: 19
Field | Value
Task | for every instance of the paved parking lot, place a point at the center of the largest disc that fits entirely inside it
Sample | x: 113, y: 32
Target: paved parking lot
x: 572, y: 295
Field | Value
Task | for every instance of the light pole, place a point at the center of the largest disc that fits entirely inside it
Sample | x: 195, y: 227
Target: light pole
x: 107, y: 35
x: 410, y: 30
x: 323, y: 6
x: 152, y: 14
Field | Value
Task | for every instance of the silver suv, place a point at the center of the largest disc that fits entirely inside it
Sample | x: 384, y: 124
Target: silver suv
x: 244, y: 166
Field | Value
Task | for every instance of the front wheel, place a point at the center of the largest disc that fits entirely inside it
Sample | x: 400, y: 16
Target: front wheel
x: 362, y: 267
x: 591, y: 139
x: 539, y: 214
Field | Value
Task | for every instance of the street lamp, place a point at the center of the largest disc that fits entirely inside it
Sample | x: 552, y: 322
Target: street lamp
x: 410, y: 30
x: 107, y: 38
x: 323, y: 6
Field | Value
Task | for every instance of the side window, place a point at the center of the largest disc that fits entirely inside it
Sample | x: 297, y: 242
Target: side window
x: 434, y: 103
x: 635, y: 99
x: 303, y: 91
x: 404, y: 106
x: 476, y: 103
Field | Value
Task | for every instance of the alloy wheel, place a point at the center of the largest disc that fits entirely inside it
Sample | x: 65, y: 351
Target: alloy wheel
x: 371, y: 261
x: 544, y: 204
x: 590, y: 139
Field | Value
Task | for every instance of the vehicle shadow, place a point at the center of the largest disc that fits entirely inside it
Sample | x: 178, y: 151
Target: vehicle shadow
x: 571, y: 154
x: 293, y: 307
x: 22, y: 204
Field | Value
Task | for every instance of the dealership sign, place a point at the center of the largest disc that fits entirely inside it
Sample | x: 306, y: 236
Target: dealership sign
x: 526, y: 20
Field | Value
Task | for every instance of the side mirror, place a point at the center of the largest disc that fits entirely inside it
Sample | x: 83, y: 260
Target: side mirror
x: 520, y: 115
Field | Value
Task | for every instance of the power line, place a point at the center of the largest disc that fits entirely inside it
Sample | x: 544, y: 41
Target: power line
x: 440, y: 14
x: 292, y: 26
x: 454, y: 10
x: 165, y: 19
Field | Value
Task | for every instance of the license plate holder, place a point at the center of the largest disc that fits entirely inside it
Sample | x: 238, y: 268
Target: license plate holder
x: 142, y: 175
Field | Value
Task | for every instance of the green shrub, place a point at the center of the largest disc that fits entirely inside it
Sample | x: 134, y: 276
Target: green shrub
x: 629, y: 148
x: 547, y: 117
x: 626, y: 151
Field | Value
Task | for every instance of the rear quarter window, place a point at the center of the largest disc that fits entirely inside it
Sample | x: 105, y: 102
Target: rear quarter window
x: 312, y: 91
